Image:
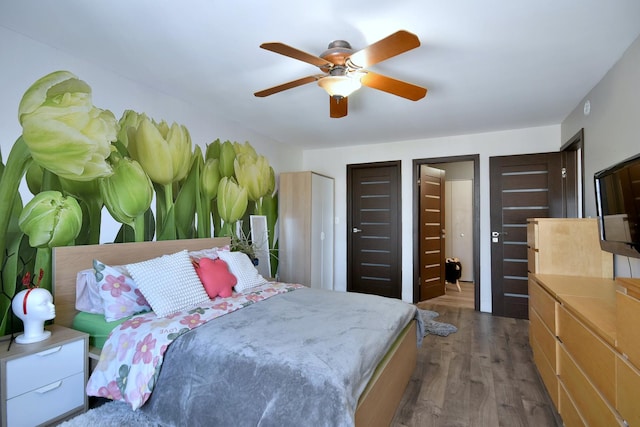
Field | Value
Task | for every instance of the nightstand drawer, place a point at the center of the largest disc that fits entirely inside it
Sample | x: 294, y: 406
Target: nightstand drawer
x: 40, y: 369
x: 47, y: 402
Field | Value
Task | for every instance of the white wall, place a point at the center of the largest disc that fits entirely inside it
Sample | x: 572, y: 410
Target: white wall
x: 333, y: 162
x: 24, y: 61
x: 611, y: 130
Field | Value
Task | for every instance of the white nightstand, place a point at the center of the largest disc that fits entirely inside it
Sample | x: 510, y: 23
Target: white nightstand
x: 44, y: 381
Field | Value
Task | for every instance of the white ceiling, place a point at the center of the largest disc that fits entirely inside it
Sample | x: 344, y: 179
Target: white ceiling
x: 488, y: 64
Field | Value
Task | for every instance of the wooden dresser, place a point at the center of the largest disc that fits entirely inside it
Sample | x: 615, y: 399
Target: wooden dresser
x: 584, y: 329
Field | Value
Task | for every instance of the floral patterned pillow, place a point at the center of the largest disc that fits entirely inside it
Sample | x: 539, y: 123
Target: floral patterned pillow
x: 88, y: 297
x: 119, y: 292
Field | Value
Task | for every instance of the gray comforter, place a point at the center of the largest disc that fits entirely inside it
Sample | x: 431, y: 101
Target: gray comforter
x: 296, y: 359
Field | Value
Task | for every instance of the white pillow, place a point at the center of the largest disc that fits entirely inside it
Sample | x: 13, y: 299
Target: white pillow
x: 207, y: 253
x: 241, y: 266
x: 169, y: 283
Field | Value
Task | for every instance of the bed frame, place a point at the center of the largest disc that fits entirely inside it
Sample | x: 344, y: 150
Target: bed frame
x: 377, y: 404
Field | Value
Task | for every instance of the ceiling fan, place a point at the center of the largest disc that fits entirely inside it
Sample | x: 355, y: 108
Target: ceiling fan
x: 344, y: 69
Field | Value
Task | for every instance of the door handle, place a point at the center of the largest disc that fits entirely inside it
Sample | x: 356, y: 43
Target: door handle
x: 496, y: 234
x: 356, y: 230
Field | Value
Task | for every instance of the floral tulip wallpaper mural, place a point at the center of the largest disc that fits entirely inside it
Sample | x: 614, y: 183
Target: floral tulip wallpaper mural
x: 79, y: 160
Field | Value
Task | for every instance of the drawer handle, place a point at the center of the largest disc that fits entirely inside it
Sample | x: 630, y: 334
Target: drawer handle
x: 49, y: 387
x: 50, y: 351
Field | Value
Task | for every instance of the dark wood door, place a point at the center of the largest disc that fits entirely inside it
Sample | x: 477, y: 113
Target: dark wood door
x: 523, y: 186
x: 374, y: 229
x: 432, y: 232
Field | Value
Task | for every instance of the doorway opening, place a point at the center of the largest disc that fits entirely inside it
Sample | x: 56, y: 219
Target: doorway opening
x: 461, y: 179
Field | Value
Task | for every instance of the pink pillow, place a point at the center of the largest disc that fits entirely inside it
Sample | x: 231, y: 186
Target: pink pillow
x: 215, y: 277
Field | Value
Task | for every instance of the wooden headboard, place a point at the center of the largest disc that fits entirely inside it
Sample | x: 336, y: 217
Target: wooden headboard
x: 68, y: 260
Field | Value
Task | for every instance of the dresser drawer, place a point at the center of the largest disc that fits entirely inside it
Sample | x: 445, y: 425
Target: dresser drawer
x: 627, y: 320
x: 547, y: 372
x: 628, y: 385
x: 567, y: 409
x: 590, y: 404
x: 30, y: 372
x: 544, y: 304
x: 592, y: 354
x: 544, y: 338
x: 48, y: 402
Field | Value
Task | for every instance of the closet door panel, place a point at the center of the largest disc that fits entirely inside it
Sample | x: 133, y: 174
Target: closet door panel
x: 306, y: 230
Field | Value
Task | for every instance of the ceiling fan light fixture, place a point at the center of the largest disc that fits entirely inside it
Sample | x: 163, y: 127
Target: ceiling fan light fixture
x: 340, y: 86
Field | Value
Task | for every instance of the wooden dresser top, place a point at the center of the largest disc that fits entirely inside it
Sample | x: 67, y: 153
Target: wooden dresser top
x: 591, y: 299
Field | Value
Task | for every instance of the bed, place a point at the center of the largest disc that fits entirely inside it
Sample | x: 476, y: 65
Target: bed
x: 376, y: 400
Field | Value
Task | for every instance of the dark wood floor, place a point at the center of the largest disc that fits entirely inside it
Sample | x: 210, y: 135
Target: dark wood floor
x: 464, y: 298
x: 482, y: 375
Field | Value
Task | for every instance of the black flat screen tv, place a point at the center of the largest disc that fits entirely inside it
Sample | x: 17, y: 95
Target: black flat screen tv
x: 618, y: 206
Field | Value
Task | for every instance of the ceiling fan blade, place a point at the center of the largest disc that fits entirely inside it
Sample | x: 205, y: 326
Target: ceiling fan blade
x: 395, y: 44
x: 393, y: 86
x: 288, y: 85
x: 338, y: 107
x: 294, y: 53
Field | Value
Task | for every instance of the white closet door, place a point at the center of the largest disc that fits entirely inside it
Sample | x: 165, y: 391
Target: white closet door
x: 459, y: 224
x: 321, y: 232
x: 327, y: 233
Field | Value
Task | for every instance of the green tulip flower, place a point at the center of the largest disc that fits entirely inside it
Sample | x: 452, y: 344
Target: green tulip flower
x: 181, y: 150
x: 232, y: 201
x: 271, y: 186
x: 213, y: 150
x: 165, y: 155
x: 51, y: 219
x: 151, y: 150
x: 128, y: 192
x: 64, y: 132
x: 129, y: 120
x: 179, y: 141
x: 245, y: 148
x: 253, y: 173
x: 227, y: 157
x: 210, y: 179
x: 163, y: 152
